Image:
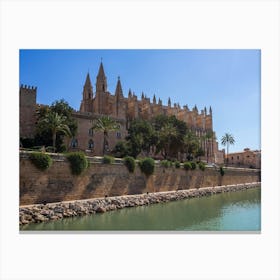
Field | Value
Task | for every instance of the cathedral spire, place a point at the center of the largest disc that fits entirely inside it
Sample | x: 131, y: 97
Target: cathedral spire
x: 119, y: 92
x: 101, y: 80
x: 210, y: 111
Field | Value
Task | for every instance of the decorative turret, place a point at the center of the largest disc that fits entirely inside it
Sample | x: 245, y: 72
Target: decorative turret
x: 210, y: 111
x: 195, y: 108
x: 205, y: 111
x: 101, y: 80
x: 159, y: 102
x: 142, y: 95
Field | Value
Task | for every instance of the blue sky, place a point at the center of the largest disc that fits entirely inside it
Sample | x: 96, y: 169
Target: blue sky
x: 226, y: 80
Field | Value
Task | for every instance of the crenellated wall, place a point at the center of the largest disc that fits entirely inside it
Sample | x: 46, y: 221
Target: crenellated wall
x: 58, y: 184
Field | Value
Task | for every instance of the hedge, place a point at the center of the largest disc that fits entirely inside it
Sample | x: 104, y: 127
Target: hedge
x: 78, y: 162
x: 147, y: 166
x: 129, y: 163
x: 108, y: 159
x: 41, y: 160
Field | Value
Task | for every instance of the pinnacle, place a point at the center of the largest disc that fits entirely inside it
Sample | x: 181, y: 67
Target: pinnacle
x: 101, y: 72
x: 88, y: 81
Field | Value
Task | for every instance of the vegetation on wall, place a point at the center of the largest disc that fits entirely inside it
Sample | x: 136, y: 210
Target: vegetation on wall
x: 189, y: 165
x: 177, y: 164
x: 108, y: 159
x: 130, y: 163
x: 201, y: 166
x: 147, y: 166
x: 41, y: 160
x: 78, y: 162
x: 166, y: 163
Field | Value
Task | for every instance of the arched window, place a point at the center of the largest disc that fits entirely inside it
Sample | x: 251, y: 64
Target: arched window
x: 90, y: 144
x: 90, y: 132
x: 118, y: 134
x: 74, y: 143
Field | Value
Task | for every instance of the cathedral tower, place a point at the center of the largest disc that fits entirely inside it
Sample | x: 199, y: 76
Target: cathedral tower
x: 101, y: 91
x: 86, y: 105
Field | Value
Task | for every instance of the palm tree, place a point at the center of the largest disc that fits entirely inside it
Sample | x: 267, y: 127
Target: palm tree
x: 56, y: 123
x: 227, y: 140
x: 105, y: 124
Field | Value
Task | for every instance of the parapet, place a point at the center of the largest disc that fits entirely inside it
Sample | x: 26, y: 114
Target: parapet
x: 28, y: 89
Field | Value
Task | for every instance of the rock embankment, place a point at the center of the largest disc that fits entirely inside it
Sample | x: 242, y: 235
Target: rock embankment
x: 38, y: 213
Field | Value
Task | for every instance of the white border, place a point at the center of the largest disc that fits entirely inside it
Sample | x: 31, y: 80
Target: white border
x: 154, y: 24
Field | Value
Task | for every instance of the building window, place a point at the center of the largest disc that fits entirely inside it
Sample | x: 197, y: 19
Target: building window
x: 232, y: 158
x: 90, y: 132
x: 74, y: 143
x: 90, y: 144
x: 237, y: 157
x: 119, y: 135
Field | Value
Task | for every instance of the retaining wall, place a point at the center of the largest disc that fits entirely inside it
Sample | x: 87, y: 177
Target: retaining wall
x: 100, y: 180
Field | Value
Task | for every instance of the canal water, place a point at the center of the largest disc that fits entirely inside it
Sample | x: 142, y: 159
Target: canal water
x: 233, y: 211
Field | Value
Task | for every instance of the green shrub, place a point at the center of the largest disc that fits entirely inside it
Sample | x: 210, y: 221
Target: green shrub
x: 193, y: 165
x: 40, y: 160
x: 222, y: 171
x: 147, y: 166
x: 187, y: 165
x: 201, y: 166
x: 108, y: 160
x: 166, y: 163
x: 177, y: 164
x: 78, y: 162
x: 129, y: 163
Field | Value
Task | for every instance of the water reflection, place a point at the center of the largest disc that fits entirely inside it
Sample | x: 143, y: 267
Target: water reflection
x: 229, y: 211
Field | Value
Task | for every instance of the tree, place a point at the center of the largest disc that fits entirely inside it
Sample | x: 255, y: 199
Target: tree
x: 166, y: 135
x: 105, y: 124
x: 44, y: 135
x: 227, y: 140
x: 55, y: 123
x: 141, y: 136
x: 170, y: 135
x: 191, y: 145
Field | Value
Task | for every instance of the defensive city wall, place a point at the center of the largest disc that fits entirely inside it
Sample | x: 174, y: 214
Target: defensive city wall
x: 102, y: 180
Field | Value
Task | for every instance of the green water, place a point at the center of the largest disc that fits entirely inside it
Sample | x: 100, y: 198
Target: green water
x: 235, y: 211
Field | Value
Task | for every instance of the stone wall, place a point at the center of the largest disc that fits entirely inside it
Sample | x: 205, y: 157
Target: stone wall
x: 100, y: 180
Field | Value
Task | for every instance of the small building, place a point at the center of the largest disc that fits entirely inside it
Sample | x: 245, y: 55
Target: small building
x: 246, y: 158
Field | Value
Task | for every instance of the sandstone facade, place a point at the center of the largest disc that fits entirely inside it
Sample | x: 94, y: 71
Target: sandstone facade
x: 99, y: 102
x: 246, y: 158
